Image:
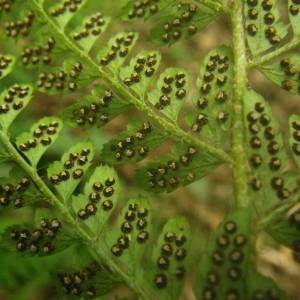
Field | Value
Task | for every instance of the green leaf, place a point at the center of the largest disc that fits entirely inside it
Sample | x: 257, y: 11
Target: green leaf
x: 138, y: 75
x: 43, y: 133
x: 133, y: 10
x: 266, y: 154
x: 263, y: 25
x: 63, y: 13
x: 183, y: 166
x: 226, y: 269
x: 17, y: 190
x: 170, y: 93
x: 180, y: 21
x: 64, y: 80
x: 171, y: 256
x: 211, y: 116
x: 287, y: 230
x: 91, y: 28
x: 94, y: 110
x: 129, y: 242
x: 98, y: 200
x: 284, y: 73
x: 67, y: 173
x: 294, y: 9
x: 4, y: 155
x: 12, y: 102
x: 6, y: 65
x: 294, y: 138
x: 30, y: 240
x: 114, y: 54
x: 133, y: 144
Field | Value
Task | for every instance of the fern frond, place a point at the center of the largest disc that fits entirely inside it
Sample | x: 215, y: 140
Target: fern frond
x: 226, y: 269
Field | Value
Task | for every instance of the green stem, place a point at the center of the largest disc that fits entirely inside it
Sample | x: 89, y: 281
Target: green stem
x: 99, y: 254
x: 238, y: 150
x: 260, y: 60
x: 169, y: 127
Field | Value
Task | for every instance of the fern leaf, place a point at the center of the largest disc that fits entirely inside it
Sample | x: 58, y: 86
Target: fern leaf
x: 114, y: 54
x: 67, y: 173
x: 95, y: 205
x: 171, y: 256
x: 263, y: 25
x: 4, y: 155
x: 42, y: 54
x: 180, y: 21
x: 12, y: 103
x: 94, y: 110
x: 226, y: 268
x: 64, y: 80
x: 286, y: 231
x: 17, y: 190
x: 284, y: 73
x: 42, y: 135
x: 133, y: 10
x: 6, y: 65
x: 43, y: 240
x: 174, y: 20
x: 294, y: 137
x: 267, y: 157
x: 134, y: 144
x: 184, y: 166
x: 211, y: 118
x: 294, y: 9
x: 171, y: 92
x: 63, y: 13
x: 138, y: 74
x: 88, y: 279
x: 129, y: 242
x: 90, y: 30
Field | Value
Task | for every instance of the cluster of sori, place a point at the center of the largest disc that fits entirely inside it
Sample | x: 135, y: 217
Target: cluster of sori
x: 143, y: 66
x: 61, y: 80
x: 292, y: 74
x: 253, y: 17
x: 13, y: 29
x: 294, y: 8
x: 296, y: 136
x: 172, y: 254
x: 135, y: 220
x: 13, y: 98
x: 227, y: 259
x: 164, y: 174
x: 213, y: 81
x: 67, y: 6
x: 172, y: 30
x: 79, y: 283
x: 10, y: 193
x: 132, y: 145
x: 39, y: 240
x: 142, y: 8
x: 261, y: 131
x: 100, y: 190
x: 41, y: 135
x: 4, y: 63
x: 38, y: 53
x: 120, y: 47
x: 294, y: 219
x: 91, y: 114
x: 91, y: 27
x: 72, y: 167
x: 5, y: 5
x: 166, y: 89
